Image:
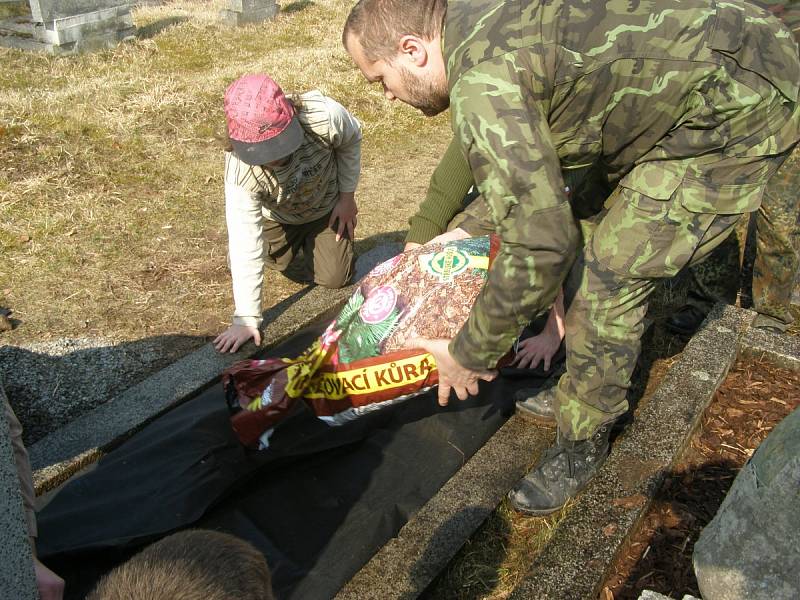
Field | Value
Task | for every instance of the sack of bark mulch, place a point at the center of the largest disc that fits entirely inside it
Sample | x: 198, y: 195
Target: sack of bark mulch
x: 361, y: 362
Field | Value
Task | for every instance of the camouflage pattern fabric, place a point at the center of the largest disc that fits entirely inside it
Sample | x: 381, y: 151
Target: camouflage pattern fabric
x: 688, y: 108
x: 777, y: 243
x: 787, y: 11
x: 716, y: 279
x: 777, y: 235
x: 777, y: 246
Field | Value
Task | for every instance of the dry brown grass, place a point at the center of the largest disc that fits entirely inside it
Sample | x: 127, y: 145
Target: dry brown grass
x: 496, y: 559
x: 111, y: 204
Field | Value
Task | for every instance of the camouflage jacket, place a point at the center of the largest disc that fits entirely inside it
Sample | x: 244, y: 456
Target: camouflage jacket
x: 541, y: 86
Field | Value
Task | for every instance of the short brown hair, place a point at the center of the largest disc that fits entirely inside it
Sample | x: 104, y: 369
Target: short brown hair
x: 379, y: 24
x: 197, y: 564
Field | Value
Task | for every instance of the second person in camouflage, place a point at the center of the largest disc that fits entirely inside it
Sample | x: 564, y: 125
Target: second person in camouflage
x: 687, y: 107
x: 777, y: 242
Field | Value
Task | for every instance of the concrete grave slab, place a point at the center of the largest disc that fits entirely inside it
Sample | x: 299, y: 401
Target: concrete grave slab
x: 574, y: 563
x: 584, y: 546
x: 406, y: 565
x: 783, y: 350
x: 69, y: 26
x: 88, y: 28
x: 650, y: 595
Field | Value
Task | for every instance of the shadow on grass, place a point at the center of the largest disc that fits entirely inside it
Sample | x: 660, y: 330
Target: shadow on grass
x: 474, y: 571
x: 294, y: 7
x: 52, y: 386
x: 156, y: 27
x: 496, y: 557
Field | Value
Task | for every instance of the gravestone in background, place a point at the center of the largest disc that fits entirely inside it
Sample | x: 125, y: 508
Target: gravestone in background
x: 78, y: 25
x: 49, y: 10
x: 241, y: 12
x: 68, y: 26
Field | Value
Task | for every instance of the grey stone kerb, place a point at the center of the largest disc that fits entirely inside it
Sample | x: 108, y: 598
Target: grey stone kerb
x: 17, y: 578
x: 50, y: 10
x: 581, y: 552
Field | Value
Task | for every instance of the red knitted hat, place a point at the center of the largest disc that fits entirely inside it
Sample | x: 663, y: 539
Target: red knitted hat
x: 262, y: 125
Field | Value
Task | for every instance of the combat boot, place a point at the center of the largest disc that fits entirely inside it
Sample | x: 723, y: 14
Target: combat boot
x: 562, y: 472
x: 686, y: 320
x: 537, y: 404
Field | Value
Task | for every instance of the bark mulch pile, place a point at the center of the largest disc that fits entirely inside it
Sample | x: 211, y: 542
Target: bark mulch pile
x: 754, y: 397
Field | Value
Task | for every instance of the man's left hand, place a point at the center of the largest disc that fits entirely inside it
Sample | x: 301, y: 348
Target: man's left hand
x: 451, y: 374
x: 343, y: 215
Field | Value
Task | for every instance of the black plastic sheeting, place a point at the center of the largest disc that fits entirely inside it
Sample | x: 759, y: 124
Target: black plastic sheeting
x: 319, y: 502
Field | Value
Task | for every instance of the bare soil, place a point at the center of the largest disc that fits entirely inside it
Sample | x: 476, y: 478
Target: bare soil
x: 755, y: 396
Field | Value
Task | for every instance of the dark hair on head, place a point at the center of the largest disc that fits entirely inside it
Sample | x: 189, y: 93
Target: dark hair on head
x: 196, y: 564
x: 379, y: 24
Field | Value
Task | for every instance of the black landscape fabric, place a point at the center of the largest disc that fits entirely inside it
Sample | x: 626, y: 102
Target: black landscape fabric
x: 319, y: 502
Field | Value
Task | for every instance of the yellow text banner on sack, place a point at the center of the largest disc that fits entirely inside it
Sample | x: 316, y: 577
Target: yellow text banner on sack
x: 370, y: 379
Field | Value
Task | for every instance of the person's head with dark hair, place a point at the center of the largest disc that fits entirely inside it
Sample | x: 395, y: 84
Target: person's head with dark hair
x: 196, y: 564
x: 397, y: 43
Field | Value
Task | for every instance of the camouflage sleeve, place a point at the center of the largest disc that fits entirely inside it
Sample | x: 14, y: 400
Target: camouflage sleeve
x: 502, y: 126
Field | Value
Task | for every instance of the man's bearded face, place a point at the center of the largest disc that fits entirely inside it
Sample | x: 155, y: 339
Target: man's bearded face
x: 428, y: 96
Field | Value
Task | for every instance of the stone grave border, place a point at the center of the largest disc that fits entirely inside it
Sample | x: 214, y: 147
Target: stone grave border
x: 67, y: 27
x: 574, y: 562
x: 17, y: 577
x: 75, y: 447
x: 579, y: 556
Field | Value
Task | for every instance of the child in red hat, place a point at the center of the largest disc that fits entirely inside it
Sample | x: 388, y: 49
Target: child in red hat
x: 290, y: 177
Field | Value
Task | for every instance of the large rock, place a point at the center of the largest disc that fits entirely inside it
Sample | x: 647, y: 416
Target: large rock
x: 751, y: 549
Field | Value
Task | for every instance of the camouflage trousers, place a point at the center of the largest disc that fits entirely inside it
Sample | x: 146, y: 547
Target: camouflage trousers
x: 639, y: 240
x: 777, y: 243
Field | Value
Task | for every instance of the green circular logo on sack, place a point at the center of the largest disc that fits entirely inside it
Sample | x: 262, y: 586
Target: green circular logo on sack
x: 448, y: 263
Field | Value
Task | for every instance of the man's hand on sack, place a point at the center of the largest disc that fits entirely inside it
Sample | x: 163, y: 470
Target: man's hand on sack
x: 451, y: 374
x: 447, y: 236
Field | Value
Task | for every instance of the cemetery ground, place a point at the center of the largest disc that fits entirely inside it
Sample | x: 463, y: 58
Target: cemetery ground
x: 112, y: 213
x: 112, y: 221
x: 111, y: 195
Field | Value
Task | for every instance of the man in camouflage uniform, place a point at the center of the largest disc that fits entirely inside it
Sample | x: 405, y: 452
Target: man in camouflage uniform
x: 687, y: 107
x: 777, y: 242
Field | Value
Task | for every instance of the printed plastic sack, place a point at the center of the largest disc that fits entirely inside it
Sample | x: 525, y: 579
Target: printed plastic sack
x: 360, y: 363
